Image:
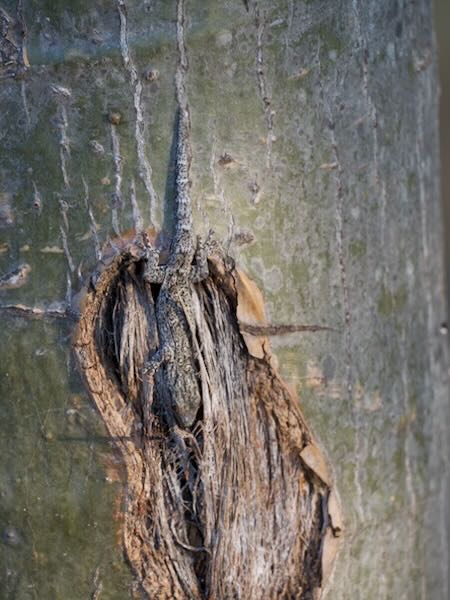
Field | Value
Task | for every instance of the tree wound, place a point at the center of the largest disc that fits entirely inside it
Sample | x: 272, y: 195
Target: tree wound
x: 241, y: 503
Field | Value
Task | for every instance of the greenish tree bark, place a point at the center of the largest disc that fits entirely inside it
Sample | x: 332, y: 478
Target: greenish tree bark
x: 315, y: 160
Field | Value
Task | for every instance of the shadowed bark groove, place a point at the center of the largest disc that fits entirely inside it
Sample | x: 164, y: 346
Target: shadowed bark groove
x: 241, y: 504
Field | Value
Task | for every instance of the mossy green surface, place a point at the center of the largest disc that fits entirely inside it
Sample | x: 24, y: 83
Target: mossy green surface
x: 332, y: 174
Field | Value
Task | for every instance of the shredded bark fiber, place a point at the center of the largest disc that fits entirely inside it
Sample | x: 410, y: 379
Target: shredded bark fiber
x: 238, y: 505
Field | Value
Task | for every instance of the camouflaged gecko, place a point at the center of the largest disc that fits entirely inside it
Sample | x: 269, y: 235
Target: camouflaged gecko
x: 173, y: 309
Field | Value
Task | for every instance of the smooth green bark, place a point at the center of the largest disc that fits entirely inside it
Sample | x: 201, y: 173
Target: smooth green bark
x: 327, y: 111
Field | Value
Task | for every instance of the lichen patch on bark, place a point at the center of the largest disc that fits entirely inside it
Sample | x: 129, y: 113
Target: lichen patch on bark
x: 240, y: 505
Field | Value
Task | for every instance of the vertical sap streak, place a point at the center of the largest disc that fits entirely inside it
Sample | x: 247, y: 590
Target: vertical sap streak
x: 138, y: 222
x: 145, y: 169
x: 116, y: 200
x: 64, y: 144
x: 63, y: 95
x: 65, y: 245
x: 92, y: 223
x: 262, y: 82
x: 68, y: 288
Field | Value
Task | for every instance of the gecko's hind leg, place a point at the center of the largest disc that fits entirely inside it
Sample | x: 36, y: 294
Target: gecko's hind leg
x: 201, y: 270
x: 163, y: 355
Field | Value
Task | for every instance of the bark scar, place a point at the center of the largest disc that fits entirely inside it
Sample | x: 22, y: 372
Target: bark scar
x: 241, y: 502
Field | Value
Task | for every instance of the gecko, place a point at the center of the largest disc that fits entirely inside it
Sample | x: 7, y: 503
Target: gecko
x: 186, y: 264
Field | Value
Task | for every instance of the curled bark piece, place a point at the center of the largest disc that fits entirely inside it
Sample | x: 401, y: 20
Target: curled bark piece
x: 236, y: 506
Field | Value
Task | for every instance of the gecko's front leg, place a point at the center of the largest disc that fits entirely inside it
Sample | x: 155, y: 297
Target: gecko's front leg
x: 200, y: 271
x: 153, y: 272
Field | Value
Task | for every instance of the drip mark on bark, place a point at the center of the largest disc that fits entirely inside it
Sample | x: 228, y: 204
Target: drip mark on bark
x: 64, y: 147
x: 62, y: 94
x: 137, y: 217
x: 116, y: 200
x: 68, y: 287
x: 64, y: 229
x: 269, y: 113
x: 66, y: 248
x: 92, y: 223
x: 145, y: 169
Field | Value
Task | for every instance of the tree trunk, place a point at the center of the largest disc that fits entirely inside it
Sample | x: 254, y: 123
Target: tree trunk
x: 314, y: 140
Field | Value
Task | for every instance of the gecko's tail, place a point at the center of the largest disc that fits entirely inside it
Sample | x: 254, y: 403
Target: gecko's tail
x: 183, y: 228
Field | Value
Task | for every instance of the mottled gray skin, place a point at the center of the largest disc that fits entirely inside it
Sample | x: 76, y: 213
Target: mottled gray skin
x: 174, y: 302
